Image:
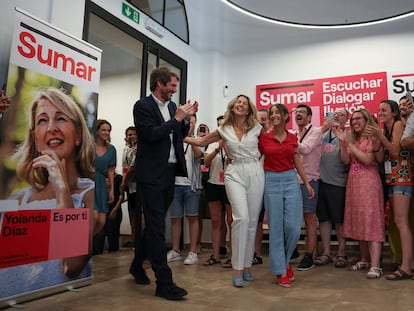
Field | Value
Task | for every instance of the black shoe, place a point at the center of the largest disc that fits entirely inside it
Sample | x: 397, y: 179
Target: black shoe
x: 223, y: 252
x: 140, y: 276
x: 306, y: 263
x: 295, y: 255
x: 170, y: 292
x: 257, y: 260
x: 129, y: 244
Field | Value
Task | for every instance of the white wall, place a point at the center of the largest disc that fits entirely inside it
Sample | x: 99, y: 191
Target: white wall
x: 328, y: 59
x: 209, y: 72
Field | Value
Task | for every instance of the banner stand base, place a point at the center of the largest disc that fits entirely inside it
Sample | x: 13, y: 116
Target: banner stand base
x: 70, y: 288
x: 14, y: 304
x: 16, y: 300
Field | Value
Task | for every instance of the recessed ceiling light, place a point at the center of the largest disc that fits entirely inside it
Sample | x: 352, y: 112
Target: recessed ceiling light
x: 316, y: 26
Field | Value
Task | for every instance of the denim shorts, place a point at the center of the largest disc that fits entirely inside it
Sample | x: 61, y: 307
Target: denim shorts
x: 404, y: 190
x: 185, y: 199
x: 309, y: 205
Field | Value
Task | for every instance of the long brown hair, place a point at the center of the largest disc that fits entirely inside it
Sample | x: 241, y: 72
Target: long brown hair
x: 251, y: 117
x: 101, y: 122
x: 283, y: 111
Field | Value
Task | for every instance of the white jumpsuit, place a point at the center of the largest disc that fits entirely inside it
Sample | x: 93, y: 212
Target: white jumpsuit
x: 244, y: 181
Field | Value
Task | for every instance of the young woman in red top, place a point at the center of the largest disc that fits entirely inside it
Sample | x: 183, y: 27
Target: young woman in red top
x: 282, y: 195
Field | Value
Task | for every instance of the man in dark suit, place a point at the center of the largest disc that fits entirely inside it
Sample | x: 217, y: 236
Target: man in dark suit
x: 161, y: 126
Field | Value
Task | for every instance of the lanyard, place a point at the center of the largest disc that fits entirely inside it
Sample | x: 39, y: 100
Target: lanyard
x: 223, y: 158
x: 306, y: 132
x: 331, y: 139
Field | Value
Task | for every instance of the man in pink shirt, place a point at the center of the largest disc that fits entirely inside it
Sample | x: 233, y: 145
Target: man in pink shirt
x: 310, y: 147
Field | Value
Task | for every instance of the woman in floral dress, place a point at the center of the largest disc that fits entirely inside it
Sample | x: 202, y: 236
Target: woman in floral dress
x: 364, y: 203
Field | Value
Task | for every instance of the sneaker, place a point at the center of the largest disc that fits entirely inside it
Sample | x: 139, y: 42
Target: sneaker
x: 173, y: 255
x: 306, y: 263
x: 290, y: 274
x: 257, y: 260
x: 284, y: 281
x: 223, y: 252
x: 295, y: 256
x: 191, y: 259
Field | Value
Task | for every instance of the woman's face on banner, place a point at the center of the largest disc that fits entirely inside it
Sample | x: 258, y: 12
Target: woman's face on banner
x: 53, y: 130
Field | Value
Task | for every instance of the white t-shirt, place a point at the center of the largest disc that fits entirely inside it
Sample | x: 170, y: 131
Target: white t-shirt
x: 218, y: 164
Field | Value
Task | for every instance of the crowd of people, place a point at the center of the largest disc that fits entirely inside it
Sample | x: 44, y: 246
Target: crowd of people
x: 339, y: 175
x: 251, y: 169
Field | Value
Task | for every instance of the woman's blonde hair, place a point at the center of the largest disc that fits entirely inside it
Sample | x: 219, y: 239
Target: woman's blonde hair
x: 369, y: 121
x: 27, y: 151
x: 251, y: 117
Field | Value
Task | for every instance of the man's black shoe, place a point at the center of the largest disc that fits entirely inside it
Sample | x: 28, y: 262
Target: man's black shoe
x: 170, y: 292
x: 140, y: 276
x: 129, y: 244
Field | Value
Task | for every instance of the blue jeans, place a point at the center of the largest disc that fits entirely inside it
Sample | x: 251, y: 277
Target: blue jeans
x: 284, y: 210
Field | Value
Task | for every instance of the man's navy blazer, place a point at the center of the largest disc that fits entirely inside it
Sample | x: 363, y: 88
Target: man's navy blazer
x: 153, y: 141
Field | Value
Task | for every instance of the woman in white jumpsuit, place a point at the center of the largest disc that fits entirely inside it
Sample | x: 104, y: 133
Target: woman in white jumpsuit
x: 243, y: 178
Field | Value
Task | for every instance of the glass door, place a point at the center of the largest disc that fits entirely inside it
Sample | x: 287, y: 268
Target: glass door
x: 127, y: 61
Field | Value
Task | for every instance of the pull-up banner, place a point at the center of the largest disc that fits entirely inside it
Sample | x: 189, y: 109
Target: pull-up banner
x: 40, y: 235
x: 53, y: 82
x: 326, y: 94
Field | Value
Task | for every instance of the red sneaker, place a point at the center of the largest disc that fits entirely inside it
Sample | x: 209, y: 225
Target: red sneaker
x: 289, y: 273
x: 284, y: 281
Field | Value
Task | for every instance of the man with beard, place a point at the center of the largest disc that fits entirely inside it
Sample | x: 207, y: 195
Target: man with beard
x: 161, y: 126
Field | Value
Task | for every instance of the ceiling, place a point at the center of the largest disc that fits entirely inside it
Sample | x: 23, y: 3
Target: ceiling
x: 215, y: 26
x: 326, y: 11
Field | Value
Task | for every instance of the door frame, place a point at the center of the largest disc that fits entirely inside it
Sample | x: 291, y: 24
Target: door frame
x: 149, y: 46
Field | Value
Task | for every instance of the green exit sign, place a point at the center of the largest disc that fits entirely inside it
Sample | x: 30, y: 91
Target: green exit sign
x: 130, y: 12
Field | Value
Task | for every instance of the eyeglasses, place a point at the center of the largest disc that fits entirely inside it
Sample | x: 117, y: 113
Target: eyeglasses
x: 301, y: 111
x: 339, y: 114
x: 357, y: 118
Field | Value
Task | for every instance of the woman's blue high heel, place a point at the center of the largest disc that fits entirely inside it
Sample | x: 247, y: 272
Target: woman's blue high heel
x: 248, y: 276
x: 238, y: 281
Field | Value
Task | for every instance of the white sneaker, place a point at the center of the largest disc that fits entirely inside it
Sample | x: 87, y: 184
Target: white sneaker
x: 191, y: 259
x: 173, y: 255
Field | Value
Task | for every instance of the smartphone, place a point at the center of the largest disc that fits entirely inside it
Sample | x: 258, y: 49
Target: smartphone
x: 202, y: 129
x: 329, y: 115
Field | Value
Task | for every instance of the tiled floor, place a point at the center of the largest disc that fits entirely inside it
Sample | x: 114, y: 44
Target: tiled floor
x: 322, y: 288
